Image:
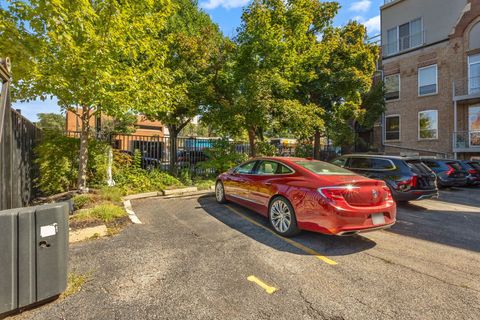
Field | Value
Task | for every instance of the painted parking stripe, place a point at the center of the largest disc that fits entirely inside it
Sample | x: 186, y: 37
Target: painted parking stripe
x: 290, y: 241
x: 262, y: 284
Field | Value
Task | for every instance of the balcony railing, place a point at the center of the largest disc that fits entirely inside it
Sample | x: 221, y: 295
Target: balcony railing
x: 467, y: 87
x: 404, y: 43
x: 466, y: 140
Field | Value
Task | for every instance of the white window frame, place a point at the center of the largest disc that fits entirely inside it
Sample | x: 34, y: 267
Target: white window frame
x: 436, y: 80
x: 399, y: 128
x: 399, y: 87
x: 470, y: 73
x: 418, y: 124
x: 397, y: 28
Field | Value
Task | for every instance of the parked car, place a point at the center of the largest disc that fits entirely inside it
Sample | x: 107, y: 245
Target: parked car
x: 473, y: 169
x: 186, y: 158
x: 450, y: 173
x: 302, y: 194
x: 408, y: 178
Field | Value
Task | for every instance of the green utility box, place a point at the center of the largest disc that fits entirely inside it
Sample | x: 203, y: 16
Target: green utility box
x: 33, y: 255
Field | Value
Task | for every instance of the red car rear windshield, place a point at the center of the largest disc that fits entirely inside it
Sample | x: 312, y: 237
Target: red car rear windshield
x: 324, y: 168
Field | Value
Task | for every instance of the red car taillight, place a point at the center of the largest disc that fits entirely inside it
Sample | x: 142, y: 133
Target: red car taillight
x: 388, y: 193
x: 450, y: 170
x: 472, y: 171
x: 336, y: 193
x: 407, y: 184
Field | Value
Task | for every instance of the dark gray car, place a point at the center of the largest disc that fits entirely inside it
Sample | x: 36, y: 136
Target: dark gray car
x: 408, y: 178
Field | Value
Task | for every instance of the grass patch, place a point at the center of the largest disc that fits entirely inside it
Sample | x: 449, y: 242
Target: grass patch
x: 103, y: 212
x: 204, y: 184
x: 74, y: 283
x: 112, y: 194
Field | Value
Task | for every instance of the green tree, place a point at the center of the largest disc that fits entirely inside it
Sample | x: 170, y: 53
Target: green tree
x: 88, y: 53
x: 342, y: 70
x: 274, y: 55
x: 51, y: 122
x: 194, y: 44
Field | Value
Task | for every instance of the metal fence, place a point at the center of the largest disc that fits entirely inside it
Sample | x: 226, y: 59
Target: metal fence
x: 18, y: 137
x: 155, y: 150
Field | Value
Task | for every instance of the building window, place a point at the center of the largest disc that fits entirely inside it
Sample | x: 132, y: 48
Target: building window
x: 392, y: 128
x: 392, y: 41
x: 392, y: 87
x: 405, y: 36
x: 474, y: 74
x: 427, y: 80
x: 474, y: 37
x: 428, y: 124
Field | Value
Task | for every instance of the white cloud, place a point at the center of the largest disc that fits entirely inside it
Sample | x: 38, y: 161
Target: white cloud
x: 361, y: 6
x: 372, y: 24
x: 227, y: 4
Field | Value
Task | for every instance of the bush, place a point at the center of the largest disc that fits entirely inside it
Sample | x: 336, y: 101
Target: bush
x: 304, y: 150
x: 80, y: 201
x: 57, y: 161
x: 222, y: 156
x: 133, y: 180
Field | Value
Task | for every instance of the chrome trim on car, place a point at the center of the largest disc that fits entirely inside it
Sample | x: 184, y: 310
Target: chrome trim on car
x: 242, y: 198
x: 394, y: 167
x: 354, y: 232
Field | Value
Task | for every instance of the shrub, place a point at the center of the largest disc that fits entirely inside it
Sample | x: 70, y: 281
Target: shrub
x: 222, y: 156
x: 132, y: 180
x: 186, y: 177
x: 304, y: 150
x: 80, y: 201
x: 57, y: 161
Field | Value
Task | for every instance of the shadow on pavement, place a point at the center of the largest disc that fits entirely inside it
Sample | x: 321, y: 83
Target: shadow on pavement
x: 468, y: 196
x: 323, y: 244
x: 453, y: 228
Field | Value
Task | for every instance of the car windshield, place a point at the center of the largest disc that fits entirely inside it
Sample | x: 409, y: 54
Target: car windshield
x: 324, y: 168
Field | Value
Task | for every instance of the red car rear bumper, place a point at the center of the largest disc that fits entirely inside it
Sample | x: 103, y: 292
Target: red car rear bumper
x: 340, y: 221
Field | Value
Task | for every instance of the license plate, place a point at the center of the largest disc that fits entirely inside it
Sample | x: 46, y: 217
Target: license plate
x: 378, y: 218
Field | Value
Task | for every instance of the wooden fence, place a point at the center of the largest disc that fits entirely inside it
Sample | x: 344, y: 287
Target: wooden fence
x: 17, y: 140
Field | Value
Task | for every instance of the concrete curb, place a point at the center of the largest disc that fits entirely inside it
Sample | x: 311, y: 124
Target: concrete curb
x: 131, y: 214
x: 172, y: 192
x: 87, y: 233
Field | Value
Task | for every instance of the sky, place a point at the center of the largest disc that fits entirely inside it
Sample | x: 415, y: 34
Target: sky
x: 227, y: 14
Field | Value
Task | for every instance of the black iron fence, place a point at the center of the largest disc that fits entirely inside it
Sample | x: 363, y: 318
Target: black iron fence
x: 155, y: 151
x: 18, y: 137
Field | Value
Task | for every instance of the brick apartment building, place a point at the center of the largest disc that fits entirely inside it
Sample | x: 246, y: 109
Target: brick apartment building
x: 144, y: 127
x: 431, y: 66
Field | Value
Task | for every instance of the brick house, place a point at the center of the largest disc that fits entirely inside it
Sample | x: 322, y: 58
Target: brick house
x: 431, y: 66
x: 144, y: 127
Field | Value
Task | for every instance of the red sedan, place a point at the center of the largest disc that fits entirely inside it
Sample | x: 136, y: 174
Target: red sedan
x: 302, y: 194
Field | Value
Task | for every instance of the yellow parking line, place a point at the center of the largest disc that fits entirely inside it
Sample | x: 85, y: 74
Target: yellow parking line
x: 290, y: 241
x: 262, y: 284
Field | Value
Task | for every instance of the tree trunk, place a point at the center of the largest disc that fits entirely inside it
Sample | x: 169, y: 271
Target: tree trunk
x: 83, y: 156
x: 251, y: 140
x: 173, y: 148
x: 316, y: 145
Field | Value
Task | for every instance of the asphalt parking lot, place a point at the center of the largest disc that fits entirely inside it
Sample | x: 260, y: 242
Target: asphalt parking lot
x: 195, y: 259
